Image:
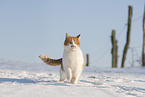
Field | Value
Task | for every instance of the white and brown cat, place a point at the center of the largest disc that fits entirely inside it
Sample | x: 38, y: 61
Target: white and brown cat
x: 73, y: 61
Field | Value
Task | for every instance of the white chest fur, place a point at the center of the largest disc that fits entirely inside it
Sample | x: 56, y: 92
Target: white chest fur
x: 73, y: 58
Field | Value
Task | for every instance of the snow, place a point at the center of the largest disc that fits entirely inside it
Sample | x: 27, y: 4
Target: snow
x: 18, y: 79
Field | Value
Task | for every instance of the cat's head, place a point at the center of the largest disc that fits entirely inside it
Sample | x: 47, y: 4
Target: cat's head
x: 72, y: 42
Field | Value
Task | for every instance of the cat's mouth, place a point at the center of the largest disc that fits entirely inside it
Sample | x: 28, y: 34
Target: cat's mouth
x: 73, y: 46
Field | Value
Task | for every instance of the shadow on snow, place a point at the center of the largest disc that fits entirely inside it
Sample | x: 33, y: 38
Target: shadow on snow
x: 17, y: 80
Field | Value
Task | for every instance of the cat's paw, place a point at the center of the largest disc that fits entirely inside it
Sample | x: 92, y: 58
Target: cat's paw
x: 61, y: 81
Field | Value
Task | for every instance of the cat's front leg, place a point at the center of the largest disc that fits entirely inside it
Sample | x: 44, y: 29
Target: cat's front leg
x: 74, y: 80
x: 75, y: 76
x: 69, y: 74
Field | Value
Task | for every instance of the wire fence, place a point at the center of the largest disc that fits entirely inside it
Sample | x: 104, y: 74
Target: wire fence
x: 108, y: 50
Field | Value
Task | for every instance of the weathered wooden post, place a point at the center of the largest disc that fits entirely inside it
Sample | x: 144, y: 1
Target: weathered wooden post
x: 116, y: 54
x: 128, y: 36
x: 114, y: 50
x: 143, y: 48
x: 87, y: 57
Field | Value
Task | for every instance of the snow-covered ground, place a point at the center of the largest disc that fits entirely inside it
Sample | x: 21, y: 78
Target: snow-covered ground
x: 19, y: 79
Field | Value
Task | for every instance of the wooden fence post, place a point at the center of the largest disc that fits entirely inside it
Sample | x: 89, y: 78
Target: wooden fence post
x: 143, y: 48
x: 116, y: 54
x: 128, y: 36
x: 114, y: 50
x: 87, y: 63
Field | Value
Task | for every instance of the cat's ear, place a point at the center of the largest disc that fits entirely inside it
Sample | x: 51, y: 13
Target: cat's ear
x: 79, y: 36
x: 67, y: 36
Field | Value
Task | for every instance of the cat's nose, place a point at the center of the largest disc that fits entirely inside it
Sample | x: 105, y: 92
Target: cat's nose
x: 73, y: 46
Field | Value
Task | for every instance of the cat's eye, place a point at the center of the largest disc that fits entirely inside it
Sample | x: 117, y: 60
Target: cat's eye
x: 71, y: 42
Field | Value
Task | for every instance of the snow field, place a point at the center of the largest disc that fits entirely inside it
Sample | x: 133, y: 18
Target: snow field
x: 92, y: 83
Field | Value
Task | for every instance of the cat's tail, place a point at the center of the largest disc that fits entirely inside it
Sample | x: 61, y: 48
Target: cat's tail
x: 49, y: 61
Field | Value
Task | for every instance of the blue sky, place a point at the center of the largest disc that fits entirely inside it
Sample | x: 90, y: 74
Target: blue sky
x: 29, y: 28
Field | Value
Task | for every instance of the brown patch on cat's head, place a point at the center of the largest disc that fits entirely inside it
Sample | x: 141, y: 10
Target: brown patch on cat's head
x: 70, y: 40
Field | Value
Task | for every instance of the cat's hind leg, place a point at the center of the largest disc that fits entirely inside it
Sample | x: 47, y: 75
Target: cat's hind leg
x: 62, y: 75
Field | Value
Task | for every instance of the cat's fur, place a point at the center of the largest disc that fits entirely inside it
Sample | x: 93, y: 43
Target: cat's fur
x: 72, y: 62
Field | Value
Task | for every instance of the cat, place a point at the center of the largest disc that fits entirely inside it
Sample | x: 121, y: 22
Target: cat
x: 73, y: 61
